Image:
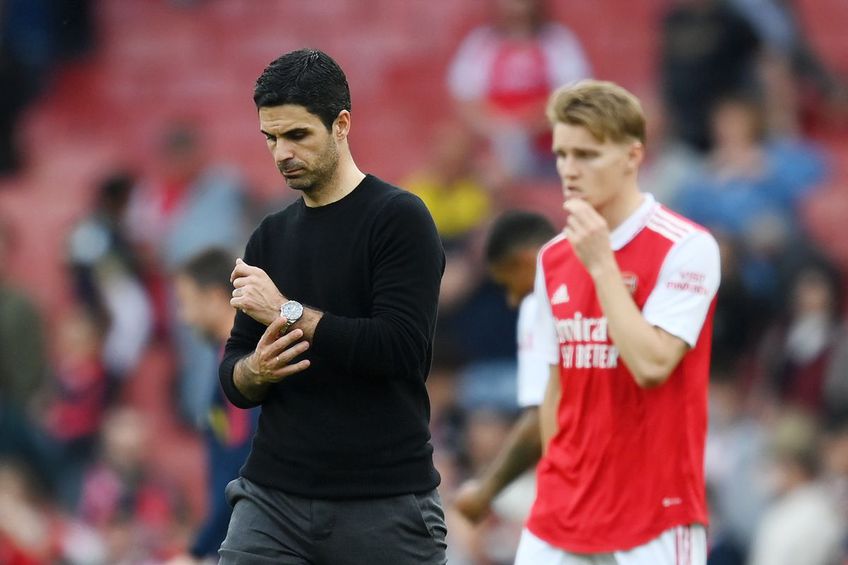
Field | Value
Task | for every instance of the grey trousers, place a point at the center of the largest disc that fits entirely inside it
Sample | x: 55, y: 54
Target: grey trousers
x: 268, y: 526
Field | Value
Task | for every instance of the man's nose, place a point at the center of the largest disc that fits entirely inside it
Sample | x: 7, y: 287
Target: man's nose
x: 568, y: 167
x: 282, y: 152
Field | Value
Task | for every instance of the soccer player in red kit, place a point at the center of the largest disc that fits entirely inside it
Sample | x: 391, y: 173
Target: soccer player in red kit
x: 626, y: 296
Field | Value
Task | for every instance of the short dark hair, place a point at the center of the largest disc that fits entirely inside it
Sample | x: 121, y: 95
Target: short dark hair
x: 308, y: 78
x: 514, y: 230
x: 210, y: 268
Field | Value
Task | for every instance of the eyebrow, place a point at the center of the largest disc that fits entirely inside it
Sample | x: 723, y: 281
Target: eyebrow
x: 294, y: 130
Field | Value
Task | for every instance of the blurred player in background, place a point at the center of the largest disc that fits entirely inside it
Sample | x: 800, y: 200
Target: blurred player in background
x: 626, y: 296
x: 511, y: 248
x: 337, y: 295
x: 203, y: 291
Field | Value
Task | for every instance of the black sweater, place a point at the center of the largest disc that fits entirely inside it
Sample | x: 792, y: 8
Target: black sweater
x: 356, y: 422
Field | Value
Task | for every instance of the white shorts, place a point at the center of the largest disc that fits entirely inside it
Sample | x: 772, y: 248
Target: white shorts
x: 681, y: 545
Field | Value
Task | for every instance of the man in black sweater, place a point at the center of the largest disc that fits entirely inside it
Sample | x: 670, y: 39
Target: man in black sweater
x: 337, y: 299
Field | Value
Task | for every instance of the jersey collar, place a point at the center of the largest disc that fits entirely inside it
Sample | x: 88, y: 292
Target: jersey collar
x: 629, y: 228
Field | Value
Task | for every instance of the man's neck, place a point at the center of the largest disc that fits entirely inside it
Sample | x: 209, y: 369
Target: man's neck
x: 346, y: 178
x: 616, y: 211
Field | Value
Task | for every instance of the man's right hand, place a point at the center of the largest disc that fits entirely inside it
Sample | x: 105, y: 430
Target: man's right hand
x: 271, y: 361
x: 472, y: 501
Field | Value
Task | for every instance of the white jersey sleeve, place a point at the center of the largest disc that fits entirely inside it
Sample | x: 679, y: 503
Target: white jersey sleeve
x: 567, y: 62
x: 532, y: 368
x: 468, y: 73
x: 688, y: 281
x: 546, y: 342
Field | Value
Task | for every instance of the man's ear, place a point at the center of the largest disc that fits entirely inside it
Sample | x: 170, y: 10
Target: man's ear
x: 635, y: 156
x: 341, y: 126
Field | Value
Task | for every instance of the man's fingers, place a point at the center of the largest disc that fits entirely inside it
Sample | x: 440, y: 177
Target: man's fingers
x: 272, y: 331
x: 240, y: 281
x: 289, y: 370
x: 242, y: 269
x: 288, y: 343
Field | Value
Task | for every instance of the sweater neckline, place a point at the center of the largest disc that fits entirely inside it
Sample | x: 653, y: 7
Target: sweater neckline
x: 352, y: 196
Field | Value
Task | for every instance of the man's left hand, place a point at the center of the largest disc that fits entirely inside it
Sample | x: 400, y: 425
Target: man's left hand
x: 588, y: 233
x: 255, y: 293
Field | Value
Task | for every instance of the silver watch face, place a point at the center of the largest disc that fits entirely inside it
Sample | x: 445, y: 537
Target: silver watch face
x: 292, y: 311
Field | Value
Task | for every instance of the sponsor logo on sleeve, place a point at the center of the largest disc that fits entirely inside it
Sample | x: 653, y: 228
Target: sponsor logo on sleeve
x: 689, y: 281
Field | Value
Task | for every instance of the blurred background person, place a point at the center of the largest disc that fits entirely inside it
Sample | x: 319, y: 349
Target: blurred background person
x: 798, y: 347
x: 803, y: 524
x: 108, y: 279
x: 511, y: 248
x: 137, y: 513
x: 501, y: 467
x: 707, y: 50
x: 752, y: 189
x: 23, y: 363
x: 75, y: 401
x: 204, y: 290
x: 501, y: 77
x: 35, y: 36
x: 192, y: 204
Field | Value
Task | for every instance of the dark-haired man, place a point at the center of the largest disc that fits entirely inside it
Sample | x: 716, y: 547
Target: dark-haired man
x: 337, y: 299
x: 203, y: 294
x: 514, y: 240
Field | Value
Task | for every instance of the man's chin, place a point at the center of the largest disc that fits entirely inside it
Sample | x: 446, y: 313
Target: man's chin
x: 299, y: 184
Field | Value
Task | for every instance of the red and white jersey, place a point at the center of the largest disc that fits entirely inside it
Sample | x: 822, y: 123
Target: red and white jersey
x: 516, y: 74
x: 626, y: 463
x: 533, y: 368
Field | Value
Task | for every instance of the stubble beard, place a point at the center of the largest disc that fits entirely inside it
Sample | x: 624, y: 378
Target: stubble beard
x: 319, y: 176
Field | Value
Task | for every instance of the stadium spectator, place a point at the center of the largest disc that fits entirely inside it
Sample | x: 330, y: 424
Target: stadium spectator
x: 707, y: 51
x: 35, y: 532
x: 736, y: 457
x: 452, y: 185
x: 34, y: 36
x: 191, y: 205
x: 799, y: 89
x: 203, y: 292
x: 796, y: 351
x: 23, y: 363
x: 502, y: 75
x: 134, y: 510
x: 803, y: 525
x: 342, y: 469
x: 76, y: 400
x: 108, y: 279
x: 625, y: 296
x: 752, y: 189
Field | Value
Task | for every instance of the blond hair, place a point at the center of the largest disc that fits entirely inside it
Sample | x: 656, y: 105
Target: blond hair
x: 605, y: 109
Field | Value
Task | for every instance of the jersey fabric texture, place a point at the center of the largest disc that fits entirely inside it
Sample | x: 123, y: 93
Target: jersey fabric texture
x: 355, y: 423
x: 626, y: 463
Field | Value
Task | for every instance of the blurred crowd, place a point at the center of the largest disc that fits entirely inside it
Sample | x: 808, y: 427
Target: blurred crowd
x: 739, y: 97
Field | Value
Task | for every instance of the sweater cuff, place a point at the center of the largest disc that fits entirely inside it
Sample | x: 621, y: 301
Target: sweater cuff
x: 235, y: 396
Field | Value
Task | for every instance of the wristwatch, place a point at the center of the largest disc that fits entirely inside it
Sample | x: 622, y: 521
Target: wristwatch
x: 291, y: 311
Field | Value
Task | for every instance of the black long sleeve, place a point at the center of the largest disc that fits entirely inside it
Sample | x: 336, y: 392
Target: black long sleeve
x: 356, y: 422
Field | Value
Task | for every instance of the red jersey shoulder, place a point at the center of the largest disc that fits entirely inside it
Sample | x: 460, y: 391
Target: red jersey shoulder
x: 556, y: 247
x: 671, y: 225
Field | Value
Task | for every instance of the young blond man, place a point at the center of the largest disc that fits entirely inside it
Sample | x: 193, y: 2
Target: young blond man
x: 626, y: 295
